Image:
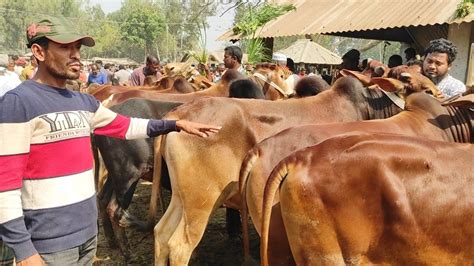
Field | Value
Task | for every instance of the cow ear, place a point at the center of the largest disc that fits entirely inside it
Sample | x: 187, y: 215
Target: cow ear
x: 388, y: 84
x: 207, y: 83
x: 463, y: 101
x: 361, y: 77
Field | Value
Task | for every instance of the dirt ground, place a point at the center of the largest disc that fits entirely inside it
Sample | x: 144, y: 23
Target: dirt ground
x: 215, y: 247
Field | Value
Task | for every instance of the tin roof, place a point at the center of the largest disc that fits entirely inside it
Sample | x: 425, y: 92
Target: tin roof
x: 346, y: 17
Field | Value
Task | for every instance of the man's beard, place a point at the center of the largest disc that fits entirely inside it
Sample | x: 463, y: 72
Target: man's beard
x: 435, y: 78
x: 60, y: 72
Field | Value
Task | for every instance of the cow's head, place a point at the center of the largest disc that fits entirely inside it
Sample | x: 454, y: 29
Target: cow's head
x: 405, y: 80
x: 374, y: 69
x: 200, y: 82
x: 276, y: 76
x: 365, y: 80
x: 176, y: 69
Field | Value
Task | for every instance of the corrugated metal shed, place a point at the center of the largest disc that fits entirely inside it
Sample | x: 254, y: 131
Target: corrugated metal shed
x: 350, y: 17
x: 307, y: 51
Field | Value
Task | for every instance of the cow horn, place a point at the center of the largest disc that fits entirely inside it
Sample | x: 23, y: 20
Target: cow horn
x: 361, y: 77
x: 389, y: 84
x: 463, y: 101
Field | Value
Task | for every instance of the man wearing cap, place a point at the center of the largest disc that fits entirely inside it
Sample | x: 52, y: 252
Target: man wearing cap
x: 279, y: 59
x: 48, y: 212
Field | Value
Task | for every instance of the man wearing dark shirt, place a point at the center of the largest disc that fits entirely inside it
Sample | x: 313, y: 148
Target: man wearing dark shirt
x: 152, y: 68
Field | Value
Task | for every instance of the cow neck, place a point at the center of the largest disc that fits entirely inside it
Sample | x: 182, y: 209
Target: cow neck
x: 379, y: 105
x: 269, y: 83
x: 461, y: 129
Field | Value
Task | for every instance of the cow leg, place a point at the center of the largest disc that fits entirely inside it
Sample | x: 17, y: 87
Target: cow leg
x: 191, y: 227
x: 113, y: 211
x: 233, y: 223
x: 279, y: 252
x: 155, y: 192
x: 164, y: 230
x: 104, y: 198
x: 312, y: 241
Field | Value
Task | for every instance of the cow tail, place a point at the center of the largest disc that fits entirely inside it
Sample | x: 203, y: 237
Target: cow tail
x: 95, y: 153
x: 247, y: 165
x: 277, y: 176
x: 155, y: 188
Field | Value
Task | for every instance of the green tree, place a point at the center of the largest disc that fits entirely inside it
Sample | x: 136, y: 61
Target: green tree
x: 108, y: 40
x: 248, y: 24
x: 142, y: 27
x: 17, y: 15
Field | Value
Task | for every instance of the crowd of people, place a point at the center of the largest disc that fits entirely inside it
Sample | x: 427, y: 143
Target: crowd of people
x: 14, y: 69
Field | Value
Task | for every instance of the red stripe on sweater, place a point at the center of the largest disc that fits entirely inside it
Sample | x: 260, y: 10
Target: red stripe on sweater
x: 116, y: 129
x: 60, y: 158
x: 12, y: 168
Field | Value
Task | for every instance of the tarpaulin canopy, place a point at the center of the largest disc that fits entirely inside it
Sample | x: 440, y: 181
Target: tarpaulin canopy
x: 307, y: 51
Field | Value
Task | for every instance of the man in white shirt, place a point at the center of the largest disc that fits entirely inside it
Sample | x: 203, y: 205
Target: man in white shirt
x: 439, y: 56
x: 122, y: 75
x: 8, y: 80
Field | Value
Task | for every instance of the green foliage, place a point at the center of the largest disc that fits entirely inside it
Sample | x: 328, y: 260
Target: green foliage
x: 139, y: 27
x: 249, y: 19
x: 464, y: 8
x: 106, y: 45
x: 252, y: 20
x: 17, y: 15
x: 142, y: 26
x: 256, y: 51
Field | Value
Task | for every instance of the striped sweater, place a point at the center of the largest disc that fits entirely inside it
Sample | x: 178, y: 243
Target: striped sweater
x: 47, y: 192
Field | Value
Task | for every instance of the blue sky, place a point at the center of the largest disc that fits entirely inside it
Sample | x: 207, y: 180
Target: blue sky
x: 217, y: 25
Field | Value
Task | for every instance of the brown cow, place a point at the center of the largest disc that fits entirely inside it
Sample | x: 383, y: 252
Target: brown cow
x: 181, y: 85
x: 204, y: 172
x: 271, y: 75
x: 177, y: 84
x: 220, y: 89
x: 272, y: 78
x: 376, y: 199
x: 423, y: 116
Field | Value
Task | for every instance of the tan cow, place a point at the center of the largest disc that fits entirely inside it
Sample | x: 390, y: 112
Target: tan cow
x: 220, y: 89
x: 204, y: 172
x: 423, y: 116
x: 376, y: 199
x: 270, y: 74
x: 176, y: 84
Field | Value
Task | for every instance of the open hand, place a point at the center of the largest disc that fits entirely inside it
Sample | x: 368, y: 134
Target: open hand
x: 34, y: 260
x: 201, y: 130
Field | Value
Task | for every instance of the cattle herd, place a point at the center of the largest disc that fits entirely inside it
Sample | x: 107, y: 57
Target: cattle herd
x: 375, y: 168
